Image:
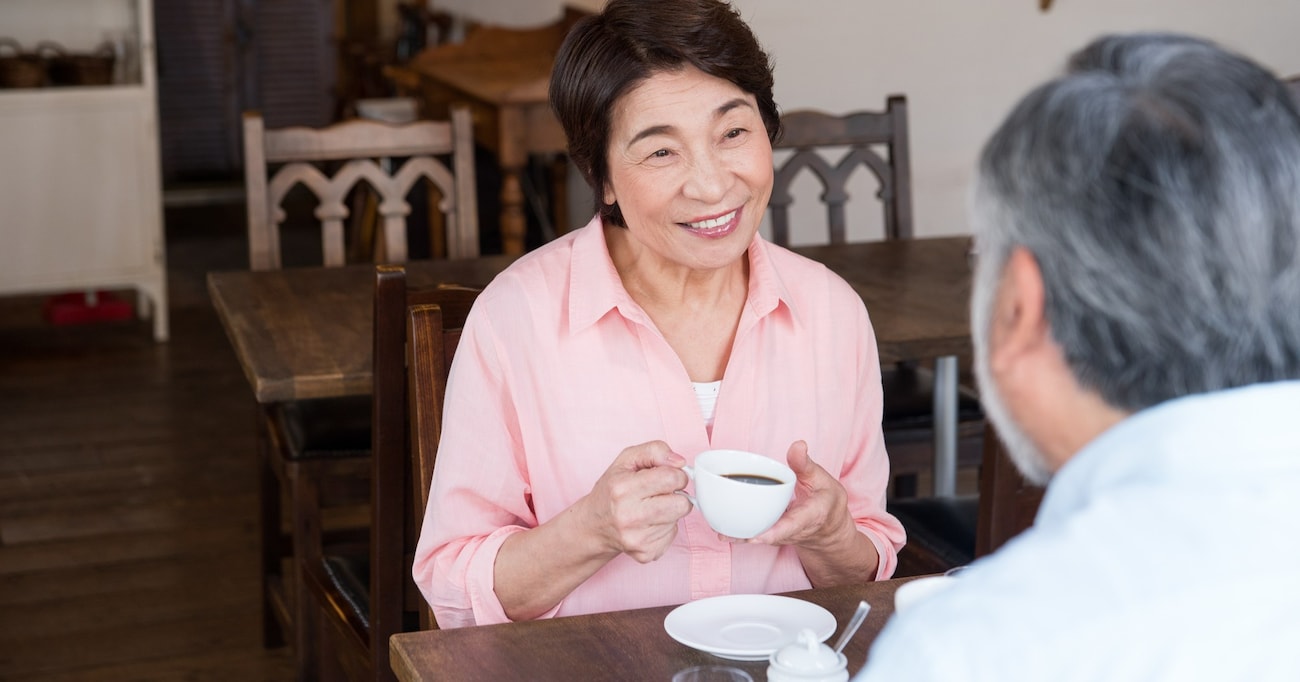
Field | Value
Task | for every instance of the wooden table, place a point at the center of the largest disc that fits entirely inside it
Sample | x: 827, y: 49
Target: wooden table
x: 622, y: 645
x: 305, y: 332
x: 917, y: 293
x: 503, y: 75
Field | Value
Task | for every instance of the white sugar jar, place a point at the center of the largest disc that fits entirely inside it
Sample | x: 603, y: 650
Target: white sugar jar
x: 807, y: 659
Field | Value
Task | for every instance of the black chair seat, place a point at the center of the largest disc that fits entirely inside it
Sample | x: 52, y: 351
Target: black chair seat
x: 349, y: 573
x: 327, y: 427
x: 909, y: 398
x: 942, y: 526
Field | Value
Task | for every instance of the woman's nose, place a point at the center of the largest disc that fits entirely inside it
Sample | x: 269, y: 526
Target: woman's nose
x: 709, y: 179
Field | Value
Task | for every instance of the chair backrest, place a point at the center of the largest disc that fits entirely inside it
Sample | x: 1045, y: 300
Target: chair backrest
x: 398, y: 491
x: 433, y: 333
x: 810, y: 133
x: 357, y: 148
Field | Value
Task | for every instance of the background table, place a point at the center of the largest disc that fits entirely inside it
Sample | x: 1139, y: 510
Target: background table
x: 306, y: 332
x: 620, y: 645
x: 503, y: 75
x: 917, y: 293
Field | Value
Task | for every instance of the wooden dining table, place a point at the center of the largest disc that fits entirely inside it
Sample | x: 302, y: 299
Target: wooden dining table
x: 306, y: 332
x: 620, y: 645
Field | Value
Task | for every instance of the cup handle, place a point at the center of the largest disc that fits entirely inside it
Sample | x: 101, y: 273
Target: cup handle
x: 690, y: 473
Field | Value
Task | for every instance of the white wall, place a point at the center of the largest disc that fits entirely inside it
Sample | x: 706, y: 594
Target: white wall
x: 75, y: 26
x: 961, y: 63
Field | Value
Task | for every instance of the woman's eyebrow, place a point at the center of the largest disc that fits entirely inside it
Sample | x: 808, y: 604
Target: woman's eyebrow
x: 731, y: 104
x: 668, y: 130
x: 651, y: 132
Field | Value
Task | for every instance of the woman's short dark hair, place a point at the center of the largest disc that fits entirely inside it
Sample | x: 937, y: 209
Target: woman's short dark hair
x: 606, y: 55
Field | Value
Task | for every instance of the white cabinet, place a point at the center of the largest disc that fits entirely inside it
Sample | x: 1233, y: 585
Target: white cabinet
x: 80, y: 192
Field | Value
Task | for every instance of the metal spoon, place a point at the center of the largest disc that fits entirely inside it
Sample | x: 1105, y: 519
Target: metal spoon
x: 854, y: 623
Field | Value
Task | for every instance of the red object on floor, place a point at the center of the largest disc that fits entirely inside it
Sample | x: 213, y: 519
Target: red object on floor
x: 68, y: 309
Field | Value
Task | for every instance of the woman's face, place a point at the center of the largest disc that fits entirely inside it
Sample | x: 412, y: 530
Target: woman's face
x: 690, y: 166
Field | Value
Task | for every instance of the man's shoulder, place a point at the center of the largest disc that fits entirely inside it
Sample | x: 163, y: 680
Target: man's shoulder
x: 1035, y: 608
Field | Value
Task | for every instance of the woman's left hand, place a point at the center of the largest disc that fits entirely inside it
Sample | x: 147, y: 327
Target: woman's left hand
x: 818, y: 516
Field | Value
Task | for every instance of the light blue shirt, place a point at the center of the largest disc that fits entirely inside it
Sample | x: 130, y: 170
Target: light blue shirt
x: 1167, y: 549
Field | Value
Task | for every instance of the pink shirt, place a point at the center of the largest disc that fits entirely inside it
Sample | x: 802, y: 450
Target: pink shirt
x: 559, y: 370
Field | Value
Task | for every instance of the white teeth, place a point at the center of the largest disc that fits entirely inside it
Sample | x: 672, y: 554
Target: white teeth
x: 712, y: 222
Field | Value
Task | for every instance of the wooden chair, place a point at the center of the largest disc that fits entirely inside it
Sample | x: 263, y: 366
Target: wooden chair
x: 807, y: 132
x: 359, y: 145
x: 1008, y: 503
x: 432, y: 336
x: 363, y: 595
x: 878, y: 141
x: 329, y: 439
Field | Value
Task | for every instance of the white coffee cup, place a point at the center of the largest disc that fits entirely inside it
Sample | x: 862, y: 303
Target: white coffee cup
x: 915, y: 591
x: 741, y: 494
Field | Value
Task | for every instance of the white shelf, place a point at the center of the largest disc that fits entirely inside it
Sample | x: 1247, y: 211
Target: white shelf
x: 80, y: 185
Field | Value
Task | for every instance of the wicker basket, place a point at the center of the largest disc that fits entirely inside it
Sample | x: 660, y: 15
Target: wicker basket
x: 65, y: 68
x: 20, y: 69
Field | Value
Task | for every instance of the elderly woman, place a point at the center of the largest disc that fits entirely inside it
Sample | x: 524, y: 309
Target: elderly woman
x: 596, y: 367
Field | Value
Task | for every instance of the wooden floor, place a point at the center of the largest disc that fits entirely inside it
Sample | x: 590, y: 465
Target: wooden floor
x: 127, y: 506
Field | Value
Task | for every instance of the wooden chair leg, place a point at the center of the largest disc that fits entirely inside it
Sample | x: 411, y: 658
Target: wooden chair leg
x: 304, y: 496
x: 272, y: 539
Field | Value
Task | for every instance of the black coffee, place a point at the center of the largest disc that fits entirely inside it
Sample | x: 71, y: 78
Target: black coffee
x: 753, y: 478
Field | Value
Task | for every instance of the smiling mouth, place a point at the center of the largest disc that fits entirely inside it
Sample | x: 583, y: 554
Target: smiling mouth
x: 714, y: 227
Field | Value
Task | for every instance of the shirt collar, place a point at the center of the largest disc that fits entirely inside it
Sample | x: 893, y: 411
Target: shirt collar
x: 595, y: 287
x: 1186, y: 439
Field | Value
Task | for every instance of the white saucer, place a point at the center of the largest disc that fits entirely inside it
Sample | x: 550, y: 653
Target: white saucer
x: 746, y: 627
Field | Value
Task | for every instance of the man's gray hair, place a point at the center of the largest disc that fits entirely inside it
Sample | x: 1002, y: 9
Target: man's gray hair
x: 1157, y: 184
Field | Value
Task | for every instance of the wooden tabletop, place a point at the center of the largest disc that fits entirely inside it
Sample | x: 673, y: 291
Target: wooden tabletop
x: 917, y: 292
x: 495, y: 64
x: 306, y: 332
x: 621, y: 645
x: 513, y: 80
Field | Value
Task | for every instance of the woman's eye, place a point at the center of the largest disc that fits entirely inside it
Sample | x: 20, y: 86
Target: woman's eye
x: 734, y: 133
x: 660, y: 154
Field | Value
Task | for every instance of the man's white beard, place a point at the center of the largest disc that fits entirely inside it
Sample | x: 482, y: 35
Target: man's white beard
x: 1020, y: 448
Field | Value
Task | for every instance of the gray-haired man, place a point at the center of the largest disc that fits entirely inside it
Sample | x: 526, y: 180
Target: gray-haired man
x: 1137, y: 332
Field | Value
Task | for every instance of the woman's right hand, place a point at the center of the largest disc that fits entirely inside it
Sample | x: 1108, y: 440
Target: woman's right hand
x: 633, y: 507
x: 630, y: 510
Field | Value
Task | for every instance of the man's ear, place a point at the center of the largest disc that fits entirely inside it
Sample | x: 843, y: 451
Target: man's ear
x: 1019, y: 326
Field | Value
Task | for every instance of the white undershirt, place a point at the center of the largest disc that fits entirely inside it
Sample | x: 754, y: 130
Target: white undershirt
x: 707, y: 393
